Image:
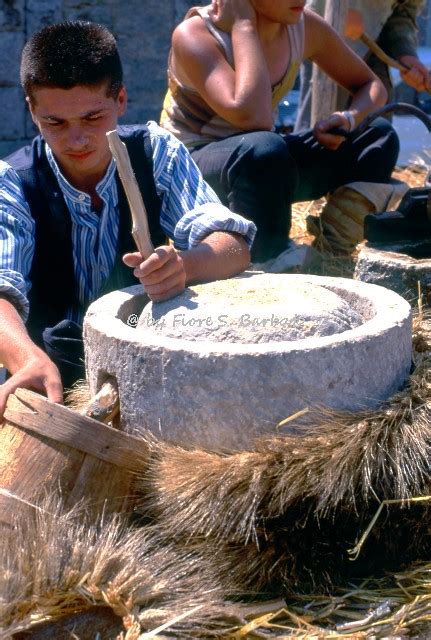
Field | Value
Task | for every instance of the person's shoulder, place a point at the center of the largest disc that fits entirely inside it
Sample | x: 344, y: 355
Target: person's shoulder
x: 10, y: 182
x: 132, y: 130
x: 311, y: 17
x: 143, y: 128
x: 414, y: 4
x: 190, y: 28
x: 8, y: 173
x: 192, y: 37
x: 5, y: 170
x: 24, y: 157
x: 317, y: 33
x: 158, y: 133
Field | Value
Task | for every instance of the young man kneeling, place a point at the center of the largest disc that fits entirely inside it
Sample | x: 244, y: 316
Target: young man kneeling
x: 64, y: 217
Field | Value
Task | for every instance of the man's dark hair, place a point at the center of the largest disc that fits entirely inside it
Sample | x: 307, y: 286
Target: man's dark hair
x: 67, y: 54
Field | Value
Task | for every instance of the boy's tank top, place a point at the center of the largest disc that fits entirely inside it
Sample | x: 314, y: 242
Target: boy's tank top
x: 186, y: 114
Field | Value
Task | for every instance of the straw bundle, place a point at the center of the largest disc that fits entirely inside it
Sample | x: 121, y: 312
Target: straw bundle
x: 286, y: 513
x: 157, y: 593
x: 54, y: 566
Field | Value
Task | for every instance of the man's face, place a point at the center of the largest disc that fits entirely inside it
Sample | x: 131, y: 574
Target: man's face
x: 74, y: 123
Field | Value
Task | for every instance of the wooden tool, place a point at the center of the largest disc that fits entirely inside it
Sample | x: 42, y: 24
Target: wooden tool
x: 105, y: 405
x: 378, y: 51
x: 140, y: 229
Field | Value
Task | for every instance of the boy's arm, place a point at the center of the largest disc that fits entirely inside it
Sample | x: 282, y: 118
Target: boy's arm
x: 241, y: 95
x: 324, y: 47
x: 211, y: 242
x: 167, y: 271
x: 30, y: 366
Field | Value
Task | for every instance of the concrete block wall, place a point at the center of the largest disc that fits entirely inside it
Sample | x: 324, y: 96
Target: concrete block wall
x: 142, y: 27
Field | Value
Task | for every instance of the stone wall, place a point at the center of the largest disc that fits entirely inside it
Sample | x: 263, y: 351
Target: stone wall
x: 143, y: 29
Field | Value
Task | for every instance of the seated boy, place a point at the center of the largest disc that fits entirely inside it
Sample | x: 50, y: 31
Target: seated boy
x: 230, y: 64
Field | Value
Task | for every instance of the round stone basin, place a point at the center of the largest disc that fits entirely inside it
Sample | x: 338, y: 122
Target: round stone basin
x: 225, y: 362
x: 398, y: 266
x: 251, y: 310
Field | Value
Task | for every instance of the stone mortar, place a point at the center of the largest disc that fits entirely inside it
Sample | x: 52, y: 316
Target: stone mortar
x: 224, y: 394
x: 397, y: 266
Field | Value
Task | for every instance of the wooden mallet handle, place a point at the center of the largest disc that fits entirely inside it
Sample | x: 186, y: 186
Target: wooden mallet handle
x: 378, y: 51
x: 140, y: 230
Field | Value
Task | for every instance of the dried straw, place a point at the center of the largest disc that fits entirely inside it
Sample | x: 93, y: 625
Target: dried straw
x: 53, y: 564
x: 285, y: 513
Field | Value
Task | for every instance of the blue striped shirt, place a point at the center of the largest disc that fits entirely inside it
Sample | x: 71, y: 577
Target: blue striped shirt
x: 190, y: 210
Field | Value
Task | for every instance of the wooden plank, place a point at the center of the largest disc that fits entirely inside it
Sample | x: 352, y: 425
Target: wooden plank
x: 32, y: 465
x: 79, y: 432
x: 43, y: 467
x: 324, y: 89
x: 47, y: 450
x: 106, y: 488
x: 11, y: 506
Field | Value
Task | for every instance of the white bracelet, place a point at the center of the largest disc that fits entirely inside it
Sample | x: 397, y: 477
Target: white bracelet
x: 350, y: 117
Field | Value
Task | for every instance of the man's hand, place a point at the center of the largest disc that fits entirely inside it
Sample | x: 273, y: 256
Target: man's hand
x: 163, y: 274
x: 39, y: 374
x: 417, y: 75
x: 29, y: 366
x: 225, y: 13
x: 329, y: 140
x: 167, y: 271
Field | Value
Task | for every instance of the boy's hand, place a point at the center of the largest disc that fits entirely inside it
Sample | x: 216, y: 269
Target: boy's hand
x: 225, y: 13
x: 329, y: 140
x: 162, y: 274
x: 417, y: 75
x: 39, y: 374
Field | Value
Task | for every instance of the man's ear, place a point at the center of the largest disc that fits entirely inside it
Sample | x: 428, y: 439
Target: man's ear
x: 30, y: 108
x: 122, y: 101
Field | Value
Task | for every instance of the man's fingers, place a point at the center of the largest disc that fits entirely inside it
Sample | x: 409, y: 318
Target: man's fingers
x: 414, y: 78
x: 166, y: 284
x: 166, y: 293
x: 171, y: 268
x: 416, y: 74
x: 47, y: 381
x: 322, y: 129
x: 4, y: 394
x: 54, y: 391
x: 6, y: 389
x: 328, y: 140
x: 132, y: 259
x: 156, y: 261
x: 162, y: 274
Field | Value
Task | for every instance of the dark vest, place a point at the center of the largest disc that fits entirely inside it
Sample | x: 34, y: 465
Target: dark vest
x: 52, y: 277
